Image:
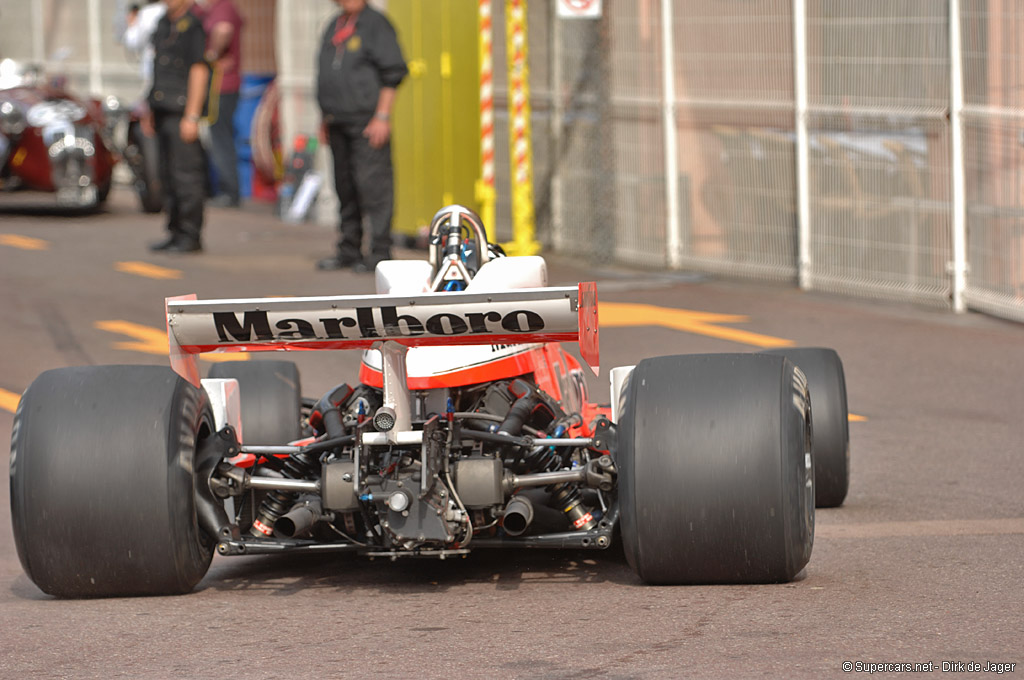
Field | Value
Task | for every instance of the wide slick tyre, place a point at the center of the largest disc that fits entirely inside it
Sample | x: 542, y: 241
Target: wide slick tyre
x: 830, y: 421
x: 271, y: 396
x: 102, y: 482
x: 716, y: 483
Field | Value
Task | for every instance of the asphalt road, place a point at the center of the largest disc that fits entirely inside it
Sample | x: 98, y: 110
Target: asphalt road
x: 923, y: 564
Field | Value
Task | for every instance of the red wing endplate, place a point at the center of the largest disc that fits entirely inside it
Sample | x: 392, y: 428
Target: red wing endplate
x: 587, y: 324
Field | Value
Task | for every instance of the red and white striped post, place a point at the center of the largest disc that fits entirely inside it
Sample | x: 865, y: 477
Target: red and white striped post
x: 485, y: 192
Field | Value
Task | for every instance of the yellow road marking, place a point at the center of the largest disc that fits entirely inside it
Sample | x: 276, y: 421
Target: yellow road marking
x: 613, y: 314
x: 151, y: 271
x: 23, y: 242
x: 618, y: 314
x: 154, y: 341
x: 9, y: 400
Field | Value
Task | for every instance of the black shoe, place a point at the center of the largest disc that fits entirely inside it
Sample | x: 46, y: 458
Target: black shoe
x: 330, y: 264
x: 166, y: 244
x: 184, y: 245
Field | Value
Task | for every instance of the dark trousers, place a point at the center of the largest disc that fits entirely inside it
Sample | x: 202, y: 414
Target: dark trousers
x: 222, y: 145
x: 182, y: 171
x: 365, y: 185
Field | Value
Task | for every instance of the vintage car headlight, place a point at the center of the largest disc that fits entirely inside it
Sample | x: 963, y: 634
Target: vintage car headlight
x: 12, y: 119
x: 111, y: 105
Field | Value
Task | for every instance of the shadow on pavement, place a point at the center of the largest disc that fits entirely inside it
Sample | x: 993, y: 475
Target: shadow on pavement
x: 505, y: 569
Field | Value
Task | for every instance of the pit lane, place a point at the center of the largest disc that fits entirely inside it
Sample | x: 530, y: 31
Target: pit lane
x: 923, y: 563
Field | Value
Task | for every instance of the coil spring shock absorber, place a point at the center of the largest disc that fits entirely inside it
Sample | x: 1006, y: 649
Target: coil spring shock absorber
x: 571, y: 502
x: 278, y: 503
x: 545, y: 458
x: 567, y: 495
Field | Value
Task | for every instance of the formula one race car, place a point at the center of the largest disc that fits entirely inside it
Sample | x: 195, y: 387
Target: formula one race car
x: 469, y: 428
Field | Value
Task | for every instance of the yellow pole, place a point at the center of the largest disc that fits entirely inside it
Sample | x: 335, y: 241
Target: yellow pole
x: 523, y: 232
x: 447, y: 132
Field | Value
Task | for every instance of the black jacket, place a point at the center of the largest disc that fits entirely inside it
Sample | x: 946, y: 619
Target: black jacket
x: 178, y: 45
x: 351, y: 74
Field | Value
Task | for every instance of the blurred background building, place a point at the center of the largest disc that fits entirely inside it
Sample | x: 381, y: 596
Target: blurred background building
x: 871, y: 148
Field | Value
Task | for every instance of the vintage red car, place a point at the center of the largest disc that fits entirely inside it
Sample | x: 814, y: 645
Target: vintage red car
x: 55, y: 148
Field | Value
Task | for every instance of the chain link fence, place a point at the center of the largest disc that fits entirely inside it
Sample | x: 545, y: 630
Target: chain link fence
x: 993, y: 62
x: 879, y: 155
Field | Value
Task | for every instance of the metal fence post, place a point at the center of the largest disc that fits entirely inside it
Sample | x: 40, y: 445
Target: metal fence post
x: 668, y: 118
x: 95, y: 54
x: 556, y: 149
x: 957, y: 159
x: 285, y: 26
x: 803, y: 181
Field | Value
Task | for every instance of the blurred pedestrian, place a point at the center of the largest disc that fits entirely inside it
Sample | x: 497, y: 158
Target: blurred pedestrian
x: 359, y: 68
x: 138, y: 36
x: 180, y: 77
x: 223, y: 26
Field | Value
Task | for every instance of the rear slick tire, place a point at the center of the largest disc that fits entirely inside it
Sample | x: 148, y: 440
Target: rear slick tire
x: 831, y: 421
x: 271, y: 397
x: 102, y: 482
x: 716, y: 483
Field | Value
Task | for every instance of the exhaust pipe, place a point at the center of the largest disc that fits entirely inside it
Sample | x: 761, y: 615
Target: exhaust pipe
x: 299, y: 520
x: 517, y: 516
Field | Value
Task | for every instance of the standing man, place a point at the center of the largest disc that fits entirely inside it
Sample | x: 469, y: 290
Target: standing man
x: 223, y: 25
x: 176, y: 102
x: 360, y: 67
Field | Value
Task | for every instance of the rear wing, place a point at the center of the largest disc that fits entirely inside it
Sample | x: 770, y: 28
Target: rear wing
x: 195, y: 326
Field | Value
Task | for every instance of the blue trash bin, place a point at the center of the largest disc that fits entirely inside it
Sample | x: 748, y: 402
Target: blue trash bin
x: 249, y: 94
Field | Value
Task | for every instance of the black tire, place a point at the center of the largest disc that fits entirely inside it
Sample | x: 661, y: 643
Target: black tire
x: 271, y: 399
x: 103, y: 193
x: 102, y: 487
x: 143, y: 156
x: 715, y: 478
x: 830, y: 421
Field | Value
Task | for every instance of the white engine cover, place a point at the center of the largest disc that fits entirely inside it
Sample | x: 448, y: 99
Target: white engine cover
x: 407, y: 277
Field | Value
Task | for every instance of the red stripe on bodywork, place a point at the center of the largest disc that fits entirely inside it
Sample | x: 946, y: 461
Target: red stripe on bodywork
x: 499, y: 369
x: 366, y: 343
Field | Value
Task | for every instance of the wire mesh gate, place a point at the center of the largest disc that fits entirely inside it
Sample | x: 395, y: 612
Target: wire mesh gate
x: 877, y: 108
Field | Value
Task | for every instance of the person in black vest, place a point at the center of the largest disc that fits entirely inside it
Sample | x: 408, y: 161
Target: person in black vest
x: 359, y: 68
x: 176, y: 103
